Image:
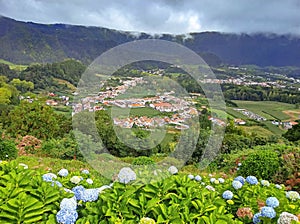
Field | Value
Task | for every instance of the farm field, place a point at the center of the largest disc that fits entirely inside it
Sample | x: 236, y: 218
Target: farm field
x: 269, y: 109
x: 231, y: 112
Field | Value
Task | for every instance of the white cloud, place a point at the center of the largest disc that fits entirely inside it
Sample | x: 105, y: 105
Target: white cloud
x: 163, y: 16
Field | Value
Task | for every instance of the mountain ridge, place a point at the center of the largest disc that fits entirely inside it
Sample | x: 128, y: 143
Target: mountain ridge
x: 28, y: 42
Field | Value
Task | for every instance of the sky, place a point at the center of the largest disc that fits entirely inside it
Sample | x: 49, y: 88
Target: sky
x: 163, y: 16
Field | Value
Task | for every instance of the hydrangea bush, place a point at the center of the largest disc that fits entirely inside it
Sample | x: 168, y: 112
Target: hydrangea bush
x: 136, y: 197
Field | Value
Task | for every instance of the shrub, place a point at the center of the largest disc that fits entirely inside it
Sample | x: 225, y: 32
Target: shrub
x: 29, y: 145
x: 143, y: 160
x: 63, y: 148
x: 8, y: 150
x: 262, y: 164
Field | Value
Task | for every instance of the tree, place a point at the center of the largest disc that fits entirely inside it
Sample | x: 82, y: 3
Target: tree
x: 8, y: 93
x: 293, y: 134
x: 36, y: 119
x: 23, y: 86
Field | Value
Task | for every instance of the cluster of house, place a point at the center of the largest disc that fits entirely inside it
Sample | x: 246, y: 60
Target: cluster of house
x: 164, y: 102
x: 151, y: 122
x: 64, y: 100
x: 250, y: 114
x: 90, y: 102
x: 285, y: 124
x: 217, y: 121
x: 243, y: 81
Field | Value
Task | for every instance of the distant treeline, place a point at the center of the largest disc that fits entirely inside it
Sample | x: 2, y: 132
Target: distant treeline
x: 258, y: 93
x: 43, y: 76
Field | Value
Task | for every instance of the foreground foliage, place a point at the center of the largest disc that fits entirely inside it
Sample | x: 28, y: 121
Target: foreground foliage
x: 25, y: 197
x: 140, y: 196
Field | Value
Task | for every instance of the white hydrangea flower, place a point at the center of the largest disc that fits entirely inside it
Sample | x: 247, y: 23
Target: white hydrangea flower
x: 208, y: 187
x: 89, y: 181
x: 286, y: 218
x: 221, y: 180
x: 126, y: 175
x: 173, y: 170
x: 75, y: 179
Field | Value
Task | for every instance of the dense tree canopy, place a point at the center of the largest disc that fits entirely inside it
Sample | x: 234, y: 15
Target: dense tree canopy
x: 293, y: 134
x: 8, y: 93
x: 36, y: 119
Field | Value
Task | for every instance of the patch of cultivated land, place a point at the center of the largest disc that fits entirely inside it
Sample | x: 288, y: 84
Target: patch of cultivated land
x: 269, y: 109
x: 293, y: 114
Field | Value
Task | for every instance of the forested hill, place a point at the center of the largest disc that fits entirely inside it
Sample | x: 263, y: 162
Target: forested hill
x: 22, y: 42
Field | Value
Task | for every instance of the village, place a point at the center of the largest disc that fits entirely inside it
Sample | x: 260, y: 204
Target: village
x: 180, y: 110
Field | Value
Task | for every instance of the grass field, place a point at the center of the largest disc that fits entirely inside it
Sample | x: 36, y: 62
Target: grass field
x: 269, y: 109
x: 258, y: 130
x: 222, y: 114
x: 14, y: 66
x: 235, y: 113
x: 273, y: 128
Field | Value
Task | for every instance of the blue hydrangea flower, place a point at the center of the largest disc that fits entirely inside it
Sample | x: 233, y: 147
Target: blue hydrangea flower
x: 268, y: 212
x: 90, y: 195
x: 228, y: 195
x: 85, y: 172
x: 252, y: 180
x: 190, y: 176
x: 56, y: 183
x: 272, y: 202
x: 66, y: 216
x: 237, y: 184
x: 47, y: 177
x: 293, y: 195
x: 221, y: 180
x: 126, y: 175
x: 63, y: 172
x: 68, y: 203
x: 256, y: 218
x: 265, y: 183
x: 212, y: 180
x: 240, y: 179
x: 198, y: 178
x: 78, y: 192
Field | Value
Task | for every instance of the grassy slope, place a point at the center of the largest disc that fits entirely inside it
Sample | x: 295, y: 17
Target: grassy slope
x: 260, y: 131
x: 13, y: 66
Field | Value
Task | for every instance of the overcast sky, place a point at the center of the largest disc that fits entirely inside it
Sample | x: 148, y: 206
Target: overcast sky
x: 163, y: 16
